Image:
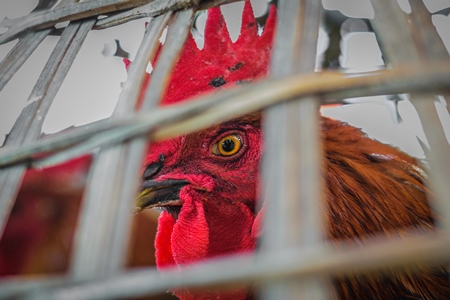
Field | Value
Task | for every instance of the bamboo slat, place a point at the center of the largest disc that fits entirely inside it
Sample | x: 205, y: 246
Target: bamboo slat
x: 70, y: 12
x: 27, y: 127
x: 19, y: 54
x: 416, y: 49
x: 94, y: 253
x: 345, y: 258
x: 292, y: 154
x: 209, y: 110
x: 101, y: 240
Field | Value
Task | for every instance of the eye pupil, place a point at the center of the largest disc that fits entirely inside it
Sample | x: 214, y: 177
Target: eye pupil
x: 228, y: 145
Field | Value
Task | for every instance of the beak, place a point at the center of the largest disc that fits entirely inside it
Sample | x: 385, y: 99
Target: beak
x: 159, y: 194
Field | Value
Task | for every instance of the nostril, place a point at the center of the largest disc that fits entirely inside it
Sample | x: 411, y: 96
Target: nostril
x: 152, y: 169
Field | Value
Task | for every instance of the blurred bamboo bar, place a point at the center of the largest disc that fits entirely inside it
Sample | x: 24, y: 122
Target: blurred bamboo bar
x: 344, y: 258
x: 418, y: 48
x: 105, y: 216
x: 331, y: 87
x: 292, y: 163
x: 27, y: 127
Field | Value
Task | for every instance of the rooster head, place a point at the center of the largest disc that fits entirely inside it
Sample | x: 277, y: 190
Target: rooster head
x: 205, y: 182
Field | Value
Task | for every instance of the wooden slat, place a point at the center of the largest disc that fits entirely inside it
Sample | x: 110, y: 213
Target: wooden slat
x: 70, y: 12
x: 292, y: 203
x: 19, y: 54
x: 154, y: 8
x: 27, y: 127
x: 208, y: 110
x: 148, y: 10
x: 345, y: 258
x: 13, y: 286
x: 94, y: 252
x: 404, y: 46
x: 102, y: 237
x: 425, y: 33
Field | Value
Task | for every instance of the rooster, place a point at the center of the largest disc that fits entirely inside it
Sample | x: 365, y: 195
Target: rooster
x: 206, y: 183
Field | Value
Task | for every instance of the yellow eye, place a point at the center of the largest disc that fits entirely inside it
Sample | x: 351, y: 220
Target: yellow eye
x: 228, y: 145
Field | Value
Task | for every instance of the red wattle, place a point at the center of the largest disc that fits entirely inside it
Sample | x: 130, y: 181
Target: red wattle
x: 164, y: 256
x: 190, y: 236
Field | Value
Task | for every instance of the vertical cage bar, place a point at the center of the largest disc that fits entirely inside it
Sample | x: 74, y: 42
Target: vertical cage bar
x: 403, y: 47
x: 427, y: 35
x: 103, y: 203
x: 102, y: 239
x: 425, y: 32
x: 292, y: 164
x: 27, y: 127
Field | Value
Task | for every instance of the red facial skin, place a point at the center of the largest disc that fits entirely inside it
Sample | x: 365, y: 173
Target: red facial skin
x: 217, y: 212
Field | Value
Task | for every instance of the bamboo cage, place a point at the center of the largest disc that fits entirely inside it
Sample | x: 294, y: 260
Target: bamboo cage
x: 293, y: 264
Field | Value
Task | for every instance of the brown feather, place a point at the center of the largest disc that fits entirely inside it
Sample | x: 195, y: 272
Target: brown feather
x: 375, y: 188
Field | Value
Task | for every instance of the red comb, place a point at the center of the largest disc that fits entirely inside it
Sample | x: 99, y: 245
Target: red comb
x: 221, y: 62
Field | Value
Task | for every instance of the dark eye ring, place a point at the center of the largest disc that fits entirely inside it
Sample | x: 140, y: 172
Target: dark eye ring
x: 228, y: 145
